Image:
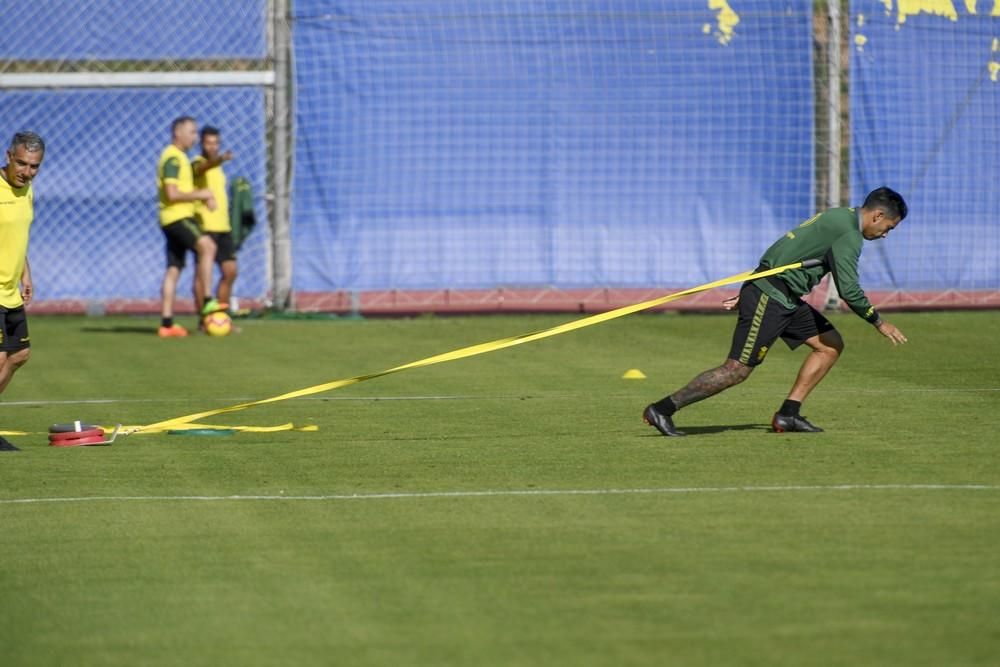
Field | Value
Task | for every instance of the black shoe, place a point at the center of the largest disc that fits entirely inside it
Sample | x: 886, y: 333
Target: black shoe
x: 789, y: 423
x: 661, y: 422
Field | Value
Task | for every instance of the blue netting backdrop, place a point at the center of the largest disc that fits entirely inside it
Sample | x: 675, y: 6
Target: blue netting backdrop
x: 96, y: 233
x: 925, y: 115
x: 470, y: 144
x: 567, y: 143
x: 133, y: 29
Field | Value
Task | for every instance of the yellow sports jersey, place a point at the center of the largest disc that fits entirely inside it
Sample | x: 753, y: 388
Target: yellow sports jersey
x: 17, y: 210
x: 215, y: 180
x: 174, y: 167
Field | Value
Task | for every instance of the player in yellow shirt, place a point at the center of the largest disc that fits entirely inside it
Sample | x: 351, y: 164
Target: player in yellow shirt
x: 178, y: 197
x: 208, y: 174
x: 17, y: 211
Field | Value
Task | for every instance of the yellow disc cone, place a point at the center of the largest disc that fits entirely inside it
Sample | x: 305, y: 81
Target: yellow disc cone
x: 634, y: 374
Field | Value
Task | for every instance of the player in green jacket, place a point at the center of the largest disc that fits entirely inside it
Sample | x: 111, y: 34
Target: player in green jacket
x: 772, y: 307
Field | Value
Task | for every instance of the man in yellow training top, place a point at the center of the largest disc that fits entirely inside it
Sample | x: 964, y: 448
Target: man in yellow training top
x: 17, y: 211
x: 209, y: 175
x: 178, y: 196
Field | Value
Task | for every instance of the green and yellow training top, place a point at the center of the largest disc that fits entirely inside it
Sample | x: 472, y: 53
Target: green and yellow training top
x: 834, y: 237
x: 174, y: 167
x: 17, y: 210
x: 213, y: 179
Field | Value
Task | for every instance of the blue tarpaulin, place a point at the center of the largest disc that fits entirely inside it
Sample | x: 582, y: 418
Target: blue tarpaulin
x: 925, y: 120
x: 465, y: 144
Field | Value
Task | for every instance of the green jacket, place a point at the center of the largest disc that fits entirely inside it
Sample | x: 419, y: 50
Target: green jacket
x: 242, y: 217
x: 834, y: 237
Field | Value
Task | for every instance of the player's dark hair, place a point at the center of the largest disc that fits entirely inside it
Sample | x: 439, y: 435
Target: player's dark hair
x: 210, y: 131
x: 30, y: 140
x: 889, y: 201
x: 180, y: 120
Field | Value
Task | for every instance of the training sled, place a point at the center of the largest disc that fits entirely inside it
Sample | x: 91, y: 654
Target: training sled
x: 78, y: 434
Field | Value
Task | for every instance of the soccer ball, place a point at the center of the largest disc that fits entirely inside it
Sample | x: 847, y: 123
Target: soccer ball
x: 218, y: 324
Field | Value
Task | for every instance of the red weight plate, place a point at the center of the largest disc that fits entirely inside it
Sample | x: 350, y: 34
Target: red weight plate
x: 72, y: 435
x: 76, y: 442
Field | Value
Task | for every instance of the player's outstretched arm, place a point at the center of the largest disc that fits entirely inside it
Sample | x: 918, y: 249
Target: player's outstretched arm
x: 890, y: 331
x: 200, y: 166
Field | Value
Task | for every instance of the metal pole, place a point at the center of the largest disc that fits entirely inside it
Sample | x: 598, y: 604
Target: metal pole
x: 833, y: 126
x: 833, y: 89
x: 281, y: 245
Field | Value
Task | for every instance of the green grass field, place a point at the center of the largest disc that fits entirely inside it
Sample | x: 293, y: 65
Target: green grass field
x: 508, y: 509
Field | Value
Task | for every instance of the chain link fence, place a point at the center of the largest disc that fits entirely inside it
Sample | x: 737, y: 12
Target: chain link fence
x: 101, y: 81
x: 399, y: 113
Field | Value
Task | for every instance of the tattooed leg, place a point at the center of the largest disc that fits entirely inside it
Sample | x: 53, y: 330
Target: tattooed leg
x: 711, y: 382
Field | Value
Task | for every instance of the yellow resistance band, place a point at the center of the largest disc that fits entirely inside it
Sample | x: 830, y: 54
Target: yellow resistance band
x: 483, y: 348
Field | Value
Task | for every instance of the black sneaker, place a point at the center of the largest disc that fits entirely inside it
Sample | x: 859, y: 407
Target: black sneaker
x: 790, y: 423
x: 661, y: 422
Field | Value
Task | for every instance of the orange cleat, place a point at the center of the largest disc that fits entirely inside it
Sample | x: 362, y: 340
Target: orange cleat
x: 173, y: 331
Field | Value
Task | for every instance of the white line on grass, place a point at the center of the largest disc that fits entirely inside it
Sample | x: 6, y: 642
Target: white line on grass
x: 524, y: 492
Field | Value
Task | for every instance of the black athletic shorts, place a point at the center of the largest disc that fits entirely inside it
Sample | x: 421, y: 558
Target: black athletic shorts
x: 13, y: 329
x: 182, y: 236
x: 763, y: 320
x: 225, y: 249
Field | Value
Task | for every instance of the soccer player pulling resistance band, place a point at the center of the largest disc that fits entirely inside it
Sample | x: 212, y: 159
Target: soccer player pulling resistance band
x: 772, y: 307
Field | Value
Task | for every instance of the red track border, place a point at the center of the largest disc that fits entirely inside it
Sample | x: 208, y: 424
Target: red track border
x: 391, y: 303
